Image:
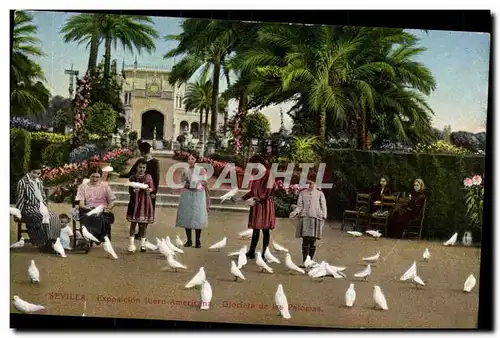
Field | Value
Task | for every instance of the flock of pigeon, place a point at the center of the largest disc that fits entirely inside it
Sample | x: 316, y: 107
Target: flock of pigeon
x: 263, y: 260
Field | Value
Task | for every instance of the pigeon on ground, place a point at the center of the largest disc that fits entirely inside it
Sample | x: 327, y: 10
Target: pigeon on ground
x: 281, y: 302
x: 33, y: 273
x: 25, y: 307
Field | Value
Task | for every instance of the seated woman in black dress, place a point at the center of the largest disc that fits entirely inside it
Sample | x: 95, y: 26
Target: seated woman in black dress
x: 412, y: 210
x: 380, y: 190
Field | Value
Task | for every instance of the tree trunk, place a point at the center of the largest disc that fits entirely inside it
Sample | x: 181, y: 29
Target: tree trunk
x: 107, y: 59
x: 94, y: 47
x: 226, y: 113
x: 215, y: 94
x: 200, y: 134
x: 322, y: 127
x: 205, y: 128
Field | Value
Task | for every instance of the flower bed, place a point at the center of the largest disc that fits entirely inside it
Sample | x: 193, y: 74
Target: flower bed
x: 117, y: 159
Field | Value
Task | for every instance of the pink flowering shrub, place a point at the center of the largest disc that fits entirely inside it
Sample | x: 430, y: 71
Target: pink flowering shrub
x: 474, y: 200
x: 116, y: 158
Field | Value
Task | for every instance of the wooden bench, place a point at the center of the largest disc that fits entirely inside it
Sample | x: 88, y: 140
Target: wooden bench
x: 380, y: 219
x: 361, y: 215
x: 415, y: 226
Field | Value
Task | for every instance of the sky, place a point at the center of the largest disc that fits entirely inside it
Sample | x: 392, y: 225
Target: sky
x: 459, y: 62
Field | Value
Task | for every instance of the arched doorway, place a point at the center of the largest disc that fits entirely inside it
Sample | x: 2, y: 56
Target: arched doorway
x: 195, y: 130
x: 149, y: 121
x: 184, y: 126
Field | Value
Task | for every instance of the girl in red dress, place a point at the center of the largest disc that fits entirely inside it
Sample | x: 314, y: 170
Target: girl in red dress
x: 262, y: 212
x: 140, y: 207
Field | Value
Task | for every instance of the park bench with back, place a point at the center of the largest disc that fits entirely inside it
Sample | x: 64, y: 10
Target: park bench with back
x: 415, y: 226
x: 380, y: 219
x: 360, y: 216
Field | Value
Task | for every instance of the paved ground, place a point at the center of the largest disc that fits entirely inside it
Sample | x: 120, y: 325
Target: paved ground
x: 64, y: 282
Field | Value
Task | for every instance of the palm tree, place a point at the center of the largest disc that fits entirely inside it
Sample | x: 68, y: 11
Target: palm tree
x: 134, y: 32
x: 29, y: 96
x: 205, y: 45
x: 198, y: 97
x: 352, y: 74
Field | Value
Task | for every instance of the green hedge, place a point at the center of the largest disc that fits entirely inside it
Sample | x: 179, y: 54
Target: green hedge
x: 20, y: 148
x: 55, y: 155
x: 443, y: 175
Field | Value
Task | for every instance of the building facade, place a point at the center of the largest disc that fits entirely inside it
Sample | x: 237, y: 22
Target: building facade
x: 152, y: 104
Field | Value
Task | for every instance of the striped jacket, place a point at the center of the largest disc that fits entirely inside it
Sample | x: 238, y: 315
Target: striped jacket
x: 26, y: 199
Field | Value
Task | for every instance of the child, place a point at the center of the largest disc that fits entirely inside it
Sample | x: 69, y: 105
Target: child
x: 66, y: 231
x: 140, y: 207
x: 311, y: 210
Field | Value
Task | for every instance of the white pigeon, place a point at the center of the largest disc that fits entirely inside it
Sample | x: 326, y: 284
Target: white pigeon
x: 291, y: 265
x: 320, y: 267
x: 150, y: 246
x: 107, y: 169
x: 16, y: 212
x: 245, y: 233
x: 335, y: 273
x: 308, y: 263
x: 137, y: 185
x: 59, y: 248
x: 85, y: 181
x: 172, y: 246
x: 372, y: 259
x: 174, y: 264
x: 164, y: 249
x: 197, y: 279
x: 109, y: 248
x: 96, y: 211
x: 281, y: 302
x: 260, y: 262
x: 25, y: 307
x: 426, y: 254
x: 269, y: 257
x: 417, y: 281
x: 364, y: 273
x: 337, y: 268
x: 469, y: 283
x: 18, y: 244
x: 321, y: 271
x: 279, y: 247
x: 219, y: 245
x: 379, y: 298
x: 33, y: 273
x: 206, y: 295
x: 236, y: 272
x: 178, y: 242
x: 355, y: 233
x: 231, y: 193
x: 375, y: 233
x: 242, y: 259
x: 237, y: 253
x: 452, y: 240
x: 412, y: 271
x: 88, y: 236
x: 350, y: 296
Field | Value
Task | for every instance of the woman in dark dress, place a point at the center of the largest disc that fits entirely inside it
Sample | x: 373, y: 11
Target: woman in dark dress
x: 44, y: 227
x: 152, y: 169
x: 382, y: 189
x: 412, y: 210
x: 262, y: 212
